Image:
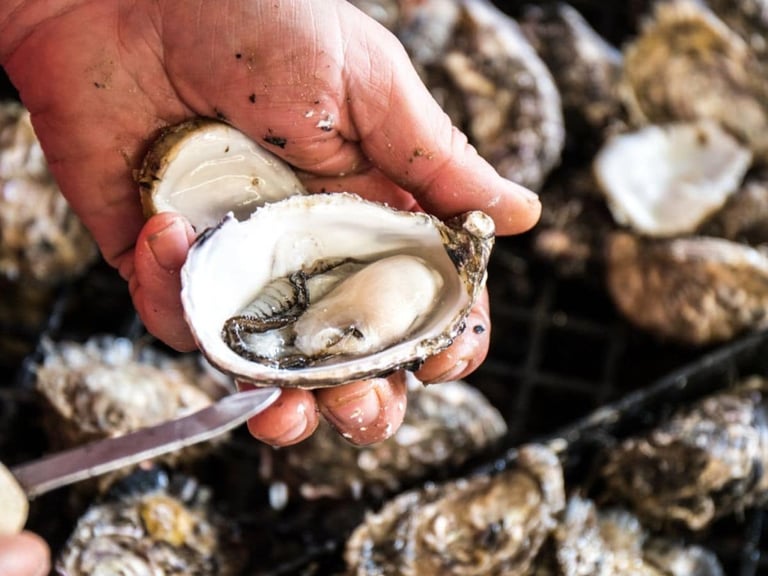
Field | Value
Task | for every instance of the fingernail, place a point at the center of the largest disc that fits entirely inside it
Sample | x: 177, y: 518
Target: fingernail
x: 357, y: 409
x: 168, y: 243
x: 452, y: 373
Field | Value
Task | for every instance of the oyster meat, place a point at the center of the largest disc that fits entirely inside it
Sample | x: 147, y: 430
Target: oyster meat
x: 444, y: 426
x: 481, y: 525
x: 317, y: 290
x: 189, y: 160
x: 690, y: 289
x: 108, y: 386
x: 152, y: 524
x: 704, y: 462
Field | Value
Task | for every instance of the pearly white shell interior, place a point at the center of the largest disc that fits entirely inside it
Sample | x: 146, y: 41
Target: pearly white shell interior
x: 217, y: 170
x: 226, y: 268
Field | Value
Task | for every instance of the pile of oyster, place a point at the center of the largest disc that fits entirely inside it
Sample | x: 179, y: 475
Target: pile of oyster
x: 42, y: 242
x: 663, y: 186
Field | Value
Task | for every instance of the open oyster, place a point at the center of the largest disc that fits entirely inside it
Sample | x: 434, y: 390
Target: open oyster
x: 444, y: 426
x: 317, y: 290
x: 705, y: 461
x: 190, y: 159
x: 152, y: 525
x: 483, y: 525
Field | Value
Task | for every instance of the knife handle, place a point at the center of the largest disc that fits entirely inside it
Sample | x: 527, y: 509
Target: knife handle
x: 14, y: 505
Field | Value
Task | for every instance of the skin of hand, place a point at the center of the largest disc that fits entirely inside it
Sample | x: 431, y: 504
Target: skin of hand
x: 315, y: 81
x: 24, y: 554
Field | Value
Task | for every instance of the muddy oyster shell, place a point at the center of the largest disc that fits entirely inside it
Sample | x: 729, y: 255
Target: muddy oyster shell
x: 108, y: 386
x: 41, y: 239
x: 190, y: 160
x: 691, y: 289
x: 445, y: 425
x: 705, y: 461
x: 484, y: 525
x: 490, y: 81
x: 666, y: 180
x: 688, y: 64
x: 151, y: 525
x: 590, y: 541
x: 322, y: 289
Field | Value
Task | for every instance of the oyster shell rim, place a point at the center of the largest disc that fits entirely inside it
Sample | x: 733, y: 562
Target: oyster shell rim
x: 469, y: 258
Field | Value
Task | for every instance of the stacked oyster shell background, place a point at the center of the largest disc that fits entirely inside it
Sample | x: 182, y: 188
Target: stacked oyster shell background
x: 659, y: 192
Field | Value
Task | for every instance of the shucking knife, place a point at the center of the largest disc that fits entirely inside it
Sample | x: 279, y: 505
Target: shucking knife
x: 26, y: 481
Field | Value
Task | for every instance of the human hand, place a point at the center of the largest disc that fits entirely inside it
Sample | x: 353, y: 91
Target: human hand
x: 24, y: 554
x: 100, y: 78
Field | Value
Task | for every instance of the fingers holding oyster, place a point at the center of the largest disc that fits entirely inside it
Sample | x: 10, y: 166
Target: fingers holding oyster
x: 311, y: 291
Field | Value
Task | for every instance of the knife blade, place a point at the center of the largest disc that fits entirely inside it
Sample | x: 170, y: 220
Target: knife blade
x: 60, y: 469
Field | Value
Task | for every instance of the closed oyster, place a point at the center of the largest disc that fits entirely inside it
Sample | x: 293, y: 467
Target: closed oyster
x: 589, y: 541
x: 42, y: 242
x: 444, y: 426
x: 666, y: 180
x: 586, y: 70
x: 153, y: 525
x: 321, y: 289
x: 190, y: 159
x: 490, y: 81
x: 749, y: 18
x: 109, y: 386
x: 481, y: 525
x: 686, y: 64
x: 705, y: 461
x: 694, y: 289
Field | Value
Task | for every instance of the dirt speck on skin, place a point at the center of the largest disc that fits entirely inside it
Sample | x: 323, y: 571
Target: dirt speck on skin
x: 252, y: 98
x: 219, y: 114
x: 275, y: 140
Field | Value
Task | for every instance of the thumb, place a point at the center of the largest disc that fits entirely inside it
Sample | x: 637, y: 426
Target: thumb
x: 24, y: 554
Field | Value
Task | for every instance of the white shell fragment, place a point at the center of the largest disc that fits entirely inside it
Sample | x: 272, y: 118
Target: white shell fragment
x: 666, y: 180
x: 205, y: 169
x: 401, y: 293
x: 13, y: 503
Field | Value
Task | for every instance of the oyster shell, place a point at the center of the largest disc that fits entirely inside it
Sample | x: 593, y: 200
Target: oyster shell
x: 322, y: 289
x: 695, y: 289
x: 744, y: 217
x: 41, y: 239
x: 482, y: 525
x: 490, y: 81
x: 749, y: 18
x: 705, y: 461
x: 109, y: 386
x: 444, y: 426
x: 695, y: 168
x: 686, y: 64
x: 190, y: 159
x: 589, y: 541
x: 586, y: 69
x: 151, y: 525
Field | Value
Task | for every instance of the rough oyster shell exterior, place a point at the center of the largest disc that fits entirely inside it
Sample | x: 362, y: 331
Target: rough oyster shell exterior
x: 690, y: 289
x: 230, y: 265
x: 445, y: 425
x: 484, y: 525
